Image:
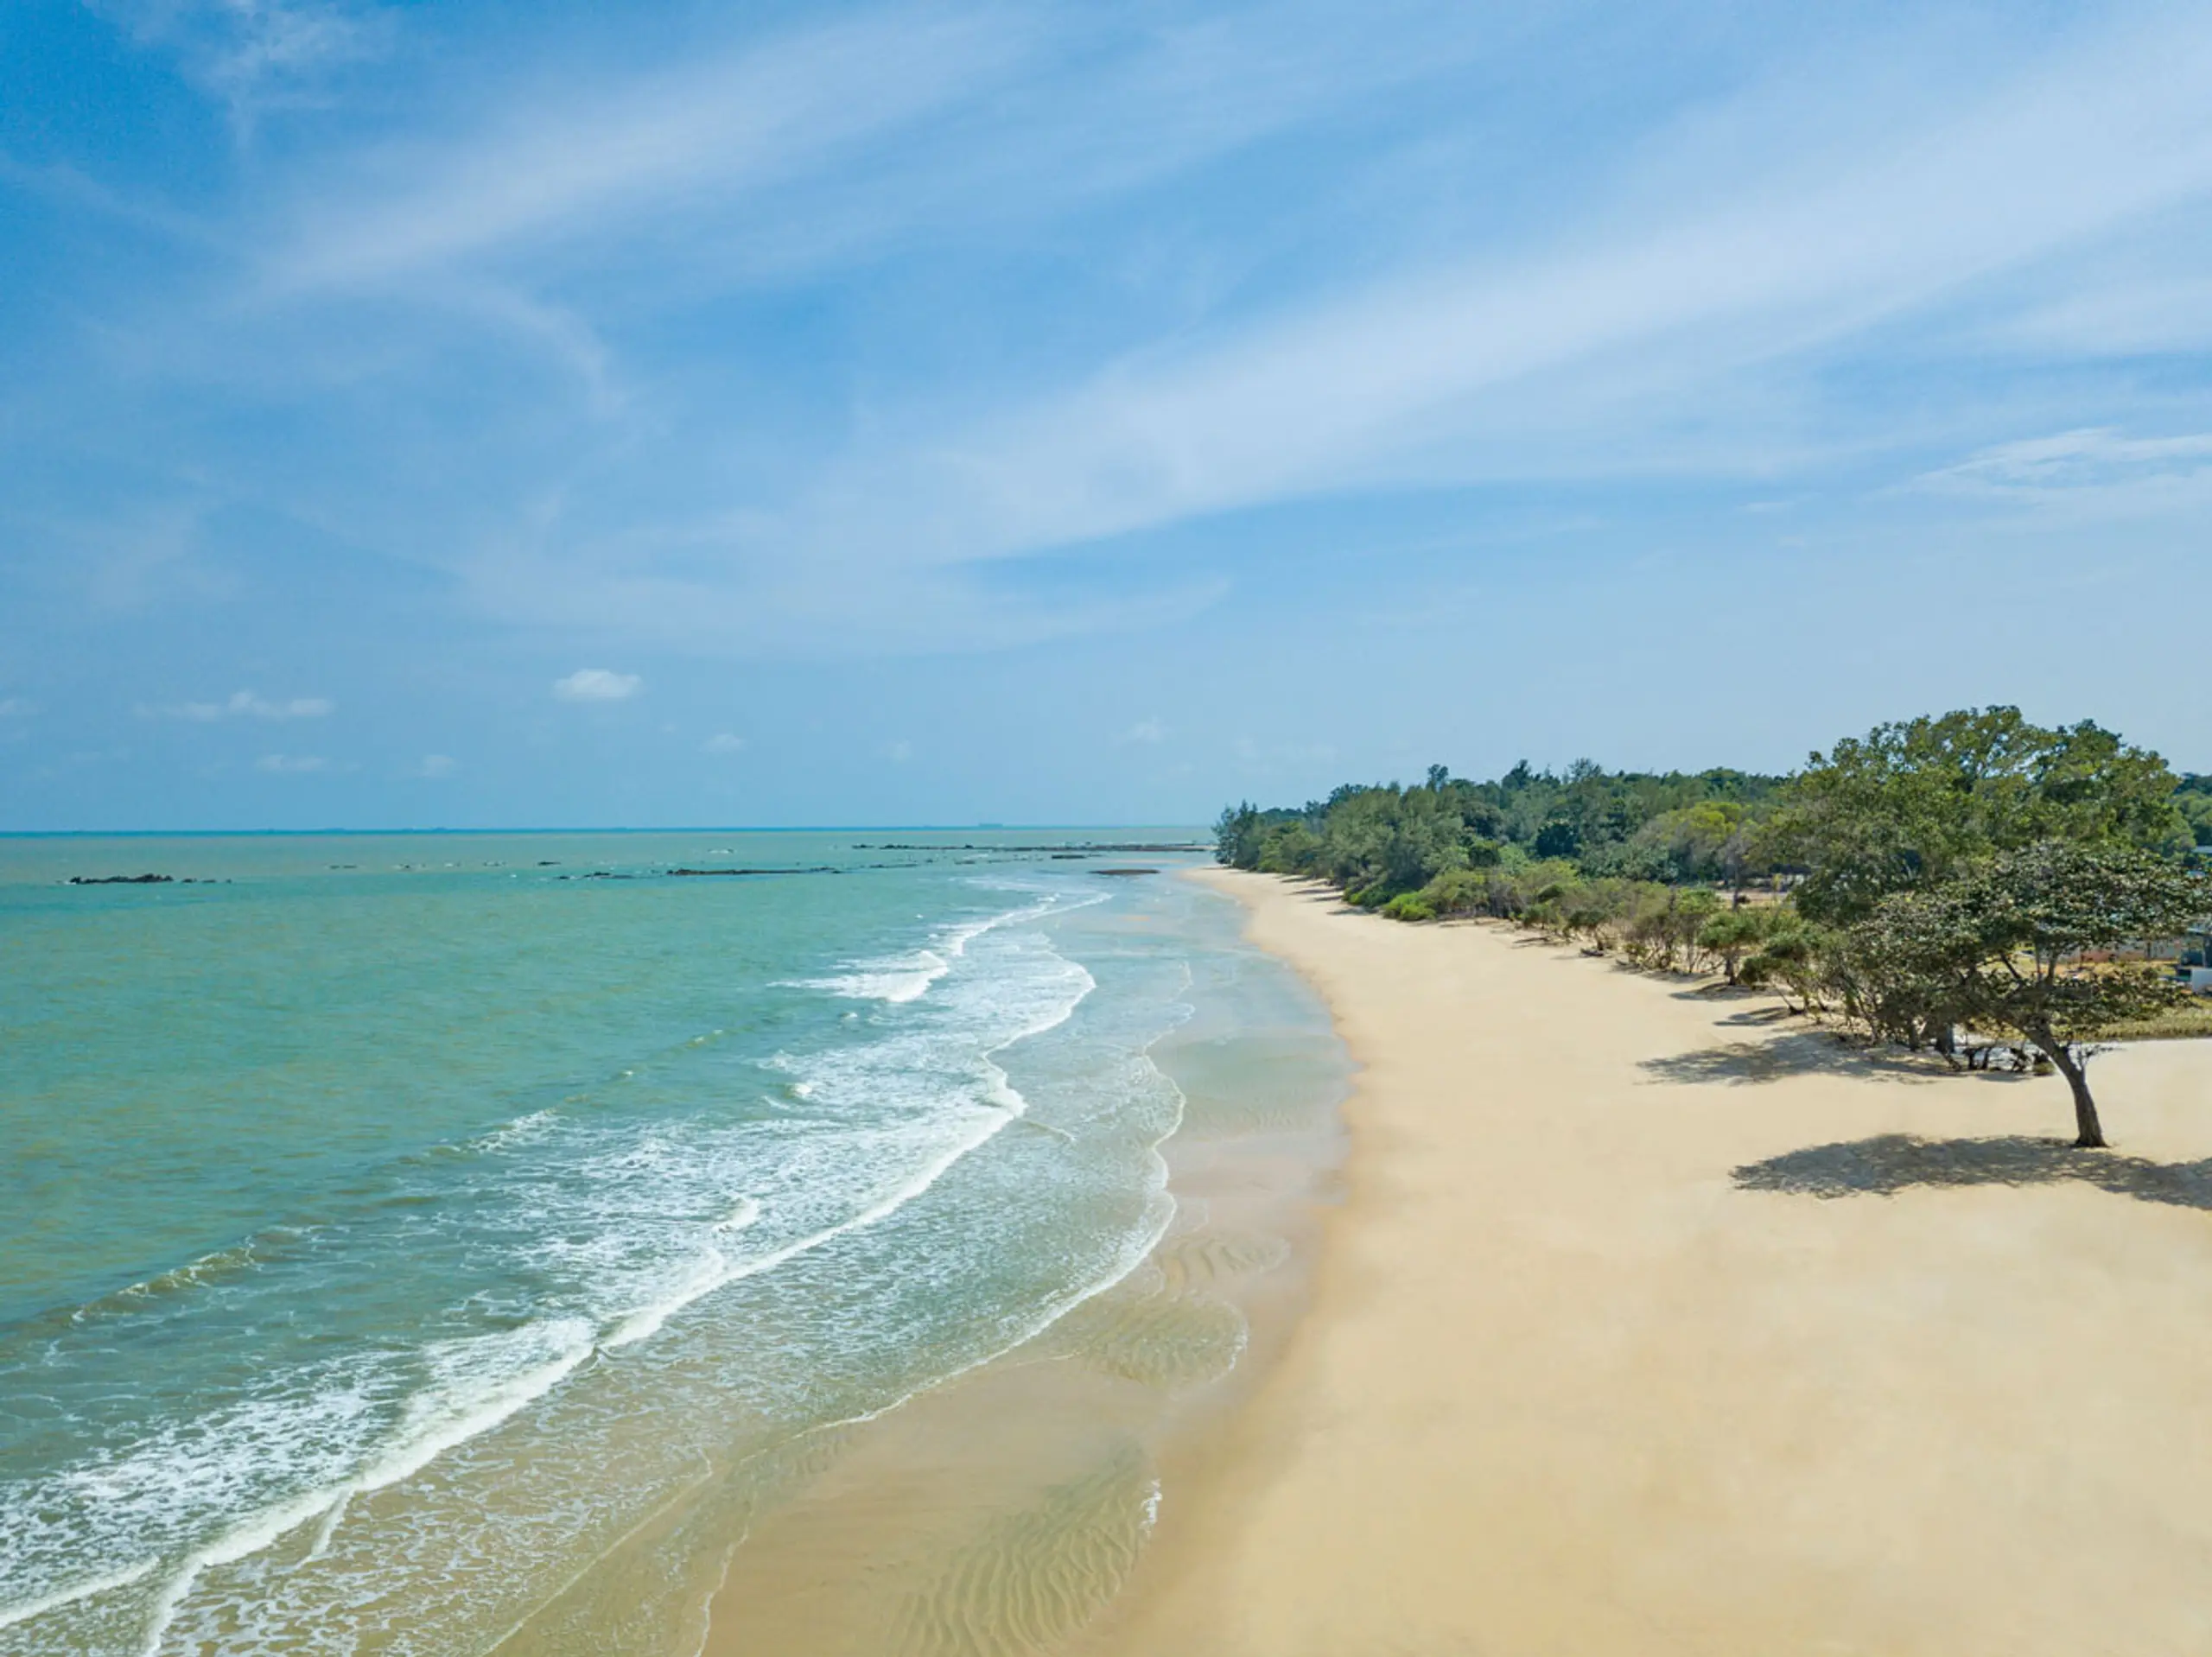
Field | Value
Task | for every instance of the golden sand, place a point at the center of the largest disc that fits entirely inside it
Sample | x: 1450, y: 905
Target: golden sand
x: 1570, y: 1384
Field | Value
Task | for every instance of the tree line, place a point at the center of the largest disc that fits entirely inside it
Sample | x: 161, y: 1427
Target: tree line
x: 1970, y: 873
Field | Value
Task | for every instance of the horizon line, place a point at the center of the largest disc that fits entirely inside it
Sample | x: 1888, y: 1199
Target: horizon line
x: 671, y: 829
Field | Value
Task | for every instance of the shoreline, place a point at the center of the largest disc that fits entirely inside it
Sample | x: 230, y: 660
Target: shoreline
x: 1006, y: 1507
x: 1653, y: 1321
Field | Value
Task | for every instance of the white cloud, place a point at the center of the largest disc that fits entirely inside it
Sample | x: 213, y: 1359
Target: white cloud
x: 244, y: 704
x: 290, y: 764
x: 2130, y: 317
x: 1431, y: 375
x: 2089, y: 475
x: 722, y: 742
x: 253, y: 55
x: 2091, y: 456
x: 707, y: 131
x: 598, y: 684
x: 437, y: 765
x: 899, y: 753
x: 1145, y: 730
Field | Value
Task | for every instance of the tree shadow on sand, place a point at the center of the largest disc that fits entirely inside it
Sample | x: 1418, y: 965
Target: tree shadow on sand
x: 1796, y: 1053
x: 1891, y: 1163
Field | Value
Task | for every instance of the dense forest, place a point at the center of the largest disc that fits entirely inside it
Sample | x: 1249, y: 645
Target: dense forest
x: 1954, y: 882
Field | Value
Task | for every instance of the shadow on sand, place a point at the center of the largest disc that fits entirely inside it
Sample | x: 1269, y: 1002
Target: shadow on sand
x: 1796, y: 1053
x: 1894, y: 1162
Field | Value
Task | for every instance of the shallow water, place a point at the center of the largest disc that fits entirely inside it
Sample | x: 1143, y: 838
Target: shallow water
x: 429, y: 1242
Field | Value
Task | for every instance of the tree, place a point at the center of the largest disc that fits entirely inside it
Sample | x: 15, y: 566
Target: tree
x: 1911, y: 804
x: 2003, y: 944
x: 1794, y: 956
x: 2195, y: 799
x: 1237, y: 836
x: 1732, y: 935
x: 1704, y: 841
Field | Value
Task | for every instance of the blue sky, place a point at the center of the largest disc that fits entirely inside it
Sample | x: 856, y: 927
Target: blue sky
x: 485, y: 413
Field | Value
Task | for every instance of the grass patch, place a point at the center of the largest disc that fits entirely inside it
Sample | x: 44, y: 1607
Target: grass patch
x: 2183, y: 1023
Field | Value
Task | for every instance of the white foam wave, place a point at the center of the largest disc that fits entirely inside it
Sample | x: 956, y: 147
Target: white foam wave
x: 23, y: 1610
x: 463, y: 1404
x: 524, y: 1130
x: 906, y: 1110
x: 716, y: 1271
x: 897, y: 980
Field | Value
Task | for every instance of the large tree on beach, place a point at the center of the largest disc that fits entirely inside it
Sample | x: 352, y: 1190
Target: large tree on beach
x: 1913, y: 803
x: 2002, y: 945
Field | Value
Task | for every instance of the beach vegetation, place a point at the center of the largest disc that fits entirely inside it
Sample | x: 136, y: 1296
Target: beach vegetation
x: 2010, y: 945
x: 1791, y: 960
x: 2194, y: 800
x: 1729, y: 937
x: 1967, y: 873
x: 1912, y: 803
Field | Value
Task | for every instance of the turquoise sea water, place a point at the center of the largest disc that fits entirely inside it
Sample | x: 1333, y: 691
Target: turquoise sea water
x: 397, y: 1224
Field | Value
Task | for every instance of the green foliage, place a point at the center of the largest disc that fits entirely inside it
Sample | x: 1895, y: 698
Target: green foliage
x: 1730, y: 937
x: 2005, y: 940
x: 1399, y: 839
x: 2002, y: 946
x: 1237, y: 836
x: 1936, y: 873
x: 1287, y: 848
x: 1792, y: 958
x: 1911, y: 804
x: 1465, y: 892
x: 2194, y: 800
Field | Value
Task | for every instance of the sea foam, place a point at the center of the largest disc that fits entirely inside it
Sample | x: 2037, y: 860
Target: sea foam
x: 639, y: 1229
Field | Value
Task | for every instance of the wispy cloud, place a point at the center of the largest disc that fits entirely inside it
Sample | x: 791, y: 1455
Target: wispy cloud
x: 1675, y: 301
x: 291, y: 764
x: 243, y: 704
x: 2093, y: 471
x: 684, y: 139
x: 16, y: 707
x: 2143, y: 316
x: 959, y: 328
x: 255, y: 55
x: 1395, y: 384
x: 598, y: 685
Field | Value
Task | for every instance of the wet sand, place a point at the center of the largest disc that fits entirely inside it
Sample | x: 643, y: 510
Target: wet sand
x: 1004, y: 1511
x: 1654, y: 1321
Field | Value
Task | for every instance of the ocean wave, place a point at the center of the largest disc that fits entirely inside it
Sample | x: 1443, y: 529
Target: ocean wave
x: 897, y: 980
x: 623, y: 1230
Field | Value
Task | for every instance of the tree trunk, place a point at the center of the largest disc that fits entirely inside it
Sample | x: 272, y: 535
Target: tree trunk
x: 2089, y: 1133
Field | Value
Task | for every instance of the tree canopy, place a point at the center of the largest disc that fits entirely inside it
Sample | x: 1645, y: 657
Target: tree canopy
x: 2006, y: 945
x: 1910, y: 805
x: 1948, y: 871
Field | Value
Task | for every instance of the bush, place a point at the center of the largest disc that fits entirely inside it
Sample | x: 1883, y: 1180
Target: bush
x: 1461, y: 891
x: 1408, y: 906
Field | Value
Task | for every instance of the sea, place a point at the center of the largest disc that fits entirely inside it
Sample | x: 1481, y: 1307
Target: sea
x: 461, y: 1243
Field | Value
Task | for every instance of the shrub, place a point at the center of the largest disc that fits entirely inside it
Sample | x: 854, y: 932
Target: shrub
x: 1461, y: 891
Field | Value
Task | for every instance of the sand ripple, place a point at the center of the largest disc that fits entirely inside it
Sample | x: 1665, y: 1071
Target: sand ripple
x: 1036, y: 1576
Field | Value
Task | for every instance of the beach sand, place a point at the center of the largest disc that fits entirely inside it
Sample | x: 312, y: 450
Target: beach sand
x: 1571, y: 1384
x: 1001, y: 1511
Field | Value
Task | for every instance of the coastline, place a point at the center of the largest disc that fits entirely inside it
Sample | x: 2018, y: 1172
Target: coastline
x: 1571, y: 1383
x: 1005, y: 1509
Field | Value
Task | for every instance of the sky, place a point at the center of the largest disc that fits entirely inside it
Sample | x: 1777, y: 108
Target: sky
x: 497, y: 413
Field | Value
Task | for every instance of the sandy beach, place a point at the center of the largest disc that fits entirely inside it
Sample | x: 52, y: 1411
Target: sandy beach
x: 1641, y: 1329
